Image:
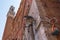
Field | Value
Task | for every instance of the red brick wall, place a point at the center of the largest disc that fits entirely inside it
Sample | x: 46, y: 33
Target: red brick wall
x: 17, y: 23
x: 8, y: 28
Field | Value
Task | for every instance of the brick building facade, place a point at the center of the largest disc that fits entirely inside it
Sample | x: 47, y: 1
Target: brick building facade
x: 42, y: 11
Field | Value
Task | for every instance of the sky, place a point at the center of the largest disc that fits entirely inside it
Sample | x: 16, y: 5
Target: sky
x: 4, y: 7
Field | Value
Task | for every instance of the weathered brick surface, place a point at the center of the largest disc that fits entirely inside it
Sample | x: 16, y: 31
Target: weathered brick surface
x: 15, y: 26
x: 17, y: 23
x: 50, y: 9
